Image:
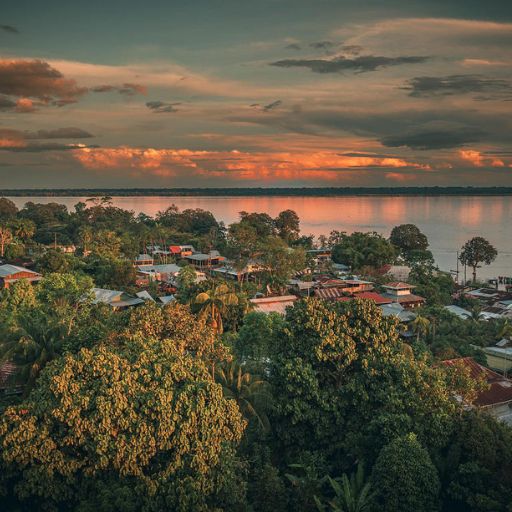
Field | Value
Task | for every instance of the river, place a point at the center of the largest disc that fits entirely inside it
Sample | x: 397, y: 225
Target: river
x: 448, y: 221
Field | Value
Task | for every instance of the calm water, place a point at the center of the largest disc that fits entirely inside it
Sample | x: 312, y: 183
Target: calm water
x: 447, y: 221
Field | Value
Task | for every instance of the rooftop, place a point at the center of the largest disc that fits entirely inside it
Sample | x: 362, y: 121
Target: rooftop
x: 500, y: 388
x: 273, y: 304
x: 8, y: 270
x: 398, y: 285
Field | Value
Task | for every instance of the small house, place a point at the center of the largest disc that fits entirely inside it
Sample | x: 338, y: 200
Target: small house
x: 402, y: 294
x: 115, y: 299
x: 10, y: 274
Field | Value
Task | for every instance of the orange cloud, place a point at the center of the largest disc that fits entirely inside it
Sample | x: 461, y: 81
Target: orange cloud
x: 479, y: 159
x: 244, y: 165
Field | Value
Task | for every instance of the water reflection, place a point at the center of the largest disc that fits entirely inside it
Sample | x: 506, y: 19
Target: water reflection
x: 447, y: 221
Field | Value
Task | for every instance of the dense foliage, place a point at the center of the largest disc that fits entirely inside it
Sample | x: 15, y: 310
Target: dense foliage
x: 206, y: 405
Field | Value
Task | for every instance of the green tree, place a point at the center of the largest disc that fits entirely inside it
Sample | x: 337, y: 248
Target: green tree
x: 255, y: 339
x: 351, y: 494
x: 142, y: 417
x: 420, y: 326
x: 106, y: 244
x: 5, y: 239
x: 475, y: 251
x: 343, y: 384
x: 477, y: 466
x: 247, y: 390
x: 408, y: 238
x: 404, y: 477
x: 8, y: 209
x: 213, y: 303
x: 280, y: 263
x: 288, y: 225
x: 363, y: 249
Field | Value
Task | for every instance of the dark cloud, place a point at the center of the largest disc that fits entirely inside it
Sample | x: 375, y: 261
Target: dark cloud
x: 10, y: 29
x: 293, y: 46
x: 340, y: 64
x: 484, y: 87
x: 37, y: 79
x: 162, y: 107
x: 47, y: 146
x: 20, y: 141
x: 267, y: 108
x: 358, y: 154
x: 128, y: 89
x: 322, y: 45
x: 271, y: 106
x: 59, y: 133
x: 6, y: 104
x: 434, y: 139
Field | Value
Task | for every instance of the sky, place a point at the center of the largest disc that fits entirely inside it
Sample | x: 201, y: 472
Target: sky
x: 266, y: 93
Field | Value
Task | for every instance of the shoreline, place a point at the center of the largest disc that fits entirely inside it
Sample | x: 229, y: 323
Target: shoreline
x: 262, y: 192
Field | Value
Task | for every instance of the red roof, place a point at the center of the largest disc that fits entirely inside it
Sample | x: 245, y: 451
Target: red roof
x: 500, y: 388
x: 376, y: 297
x: 175, y: 249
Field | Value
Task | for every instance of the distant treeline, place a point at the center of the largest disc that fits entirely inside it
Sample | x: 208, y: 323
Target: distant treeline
x: 244, y: 192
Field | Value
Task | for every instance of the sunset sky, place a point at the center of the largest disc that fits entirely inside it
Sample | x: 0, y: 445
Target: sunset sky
x: 214, y: 93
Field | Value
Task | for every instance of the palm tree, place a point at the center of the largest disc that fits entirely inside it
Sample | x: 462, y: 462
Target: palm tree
x: 420, y: 326
x: 86, y: 238
x: 34, y: 343
x: 213, y: 304
x: 24, y: 229
x: 506, y: 330
x: 351, y: 494
x: 5, y: 239
x: 246, y: 389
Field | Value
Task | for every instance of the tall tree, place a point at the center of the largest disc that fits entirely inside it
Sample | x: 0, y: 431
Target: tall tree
x: 140, y: 417
x: 475, y: 251
x: 5, y: 239
x: 404, y: 477
x: 407, y: 238
x: 213, y: 303
x: 246, y: 389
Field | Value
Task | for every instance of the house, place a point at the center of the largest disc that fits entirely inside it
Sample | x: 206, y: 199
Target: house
x: 10, y: 274
x: 497, y: 399
x: 205, y: 261
x: 401, y: 292
x: 115, y: 299
x: 395, y: 309
x: 487, y: 295
x: 273, y: 304
x: 165, y: 272
x: 334, y: 289
x: 144, y: 259
x: 181, y: 251
x: 462, y: 313
x: 304, y: 288
x: 499, y: 356
x: 227, y: 271
x: 340, y: 268
x: 319, y: 256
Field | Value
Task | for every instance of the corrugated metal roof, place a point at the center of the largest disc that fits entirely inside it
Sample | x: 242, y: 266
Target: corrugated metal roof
x: 8, y: 270
x: 273, y: 304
